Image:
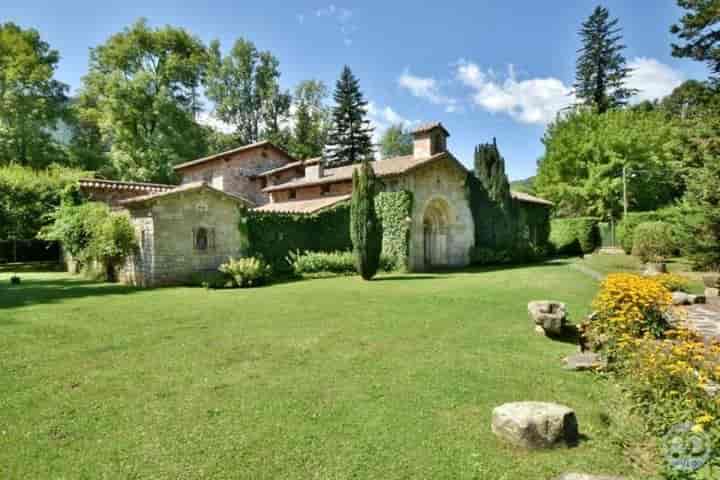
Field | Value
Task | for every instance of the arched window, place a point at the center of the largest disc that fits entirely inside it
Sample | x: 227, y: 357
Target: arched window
x: 201, y: 239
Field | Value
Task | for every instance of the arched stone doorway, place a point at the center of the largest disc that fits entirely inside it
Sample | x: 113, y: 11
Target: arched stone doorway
x: 436, y: 233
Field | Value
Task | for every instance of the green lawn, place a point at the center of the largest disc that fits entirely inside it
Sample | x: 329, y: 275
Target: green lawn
x: 328, y: 379
x: 610, y: 263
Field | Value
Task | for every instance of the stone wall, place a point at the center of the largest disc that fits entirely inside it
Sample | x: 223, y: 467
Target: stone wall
x: 235, y: 173
x: 166, y: 231
x: 444, y: 183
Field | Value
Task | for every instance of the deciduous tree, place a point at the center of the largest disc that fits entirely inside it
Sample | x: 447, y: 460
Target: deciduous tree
x: 311, y: 119
x: 396, y: 141
x: 32, y: 101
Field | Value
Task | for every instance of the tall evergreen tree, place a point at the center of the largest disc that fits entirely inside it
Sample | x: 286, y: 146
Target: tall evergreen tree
x: 490, y: 169
x: 365, y: 228
x: 699, y: 30
x: 600, y: 72
x: 349, y: 141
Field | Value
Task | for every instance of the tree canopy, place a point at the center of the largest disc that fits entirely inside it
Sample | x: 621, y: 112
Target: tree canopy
x: 699, y: 33
x: 396, y: 141
x: 32, y: 101
x: 311, y: 119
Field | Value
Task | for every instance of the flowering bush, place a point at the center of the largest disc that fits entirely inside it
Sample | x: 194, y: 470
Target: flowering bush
x: 630, y: 306
x: 673, y: 282
x: 247, y: 271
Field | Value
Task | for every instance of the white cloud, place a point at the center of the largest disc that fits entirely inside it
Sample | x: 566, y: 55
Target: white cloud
x: 382, y: 118
x: 426, y: 88
x: 652, y: 78
x: 343, y: 17
x: 533, y: 101
x: 207, y: 118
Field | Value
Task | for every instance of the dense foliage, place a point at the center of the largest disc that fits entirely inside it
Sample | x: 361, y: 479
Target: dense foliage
x: 573, y: 236
x: 395, y: 210
x: 334, y: 263
x: 32, y: 101
x: 90, y: 232
x: 365, y: 227
x: 698, y: 29
x: 27, y: 196
x: 601, y: 71
x: 247, y: 271
x: 396, y: 141
x: 350, y: 136
x: 585, y: 153
x: 142, y: 90
x: 311, y: 120
x: 653, y: 241
x: 244, y: 88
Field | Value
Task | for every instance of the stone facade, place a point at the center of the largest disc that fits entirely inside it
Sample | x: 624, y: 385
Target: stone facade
x: 169, y: 230
x: 237, y: 172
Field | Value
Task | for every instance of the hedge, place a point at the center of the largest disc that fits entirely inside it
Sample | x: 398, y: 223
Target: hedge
x: 575, y: 235
x: 274, y: 235
x: 684, y: 220
x: 27, y: 196
x: 626, y: 228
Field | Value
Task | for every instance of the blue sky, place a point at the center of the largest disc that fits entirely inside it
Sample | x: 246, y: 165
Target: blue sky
x: 485, y: 68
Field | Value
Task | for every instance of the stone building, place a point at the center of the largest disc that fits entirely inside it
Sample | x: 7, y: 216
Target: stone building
x: 194, y: 226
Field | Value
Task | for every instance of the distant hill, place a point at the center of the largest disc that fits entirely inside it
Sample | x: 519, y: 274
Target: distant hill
x: 526, y: 185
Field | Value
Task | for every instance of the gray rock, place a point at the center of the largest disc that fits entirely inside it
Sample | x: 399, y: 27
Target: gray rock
x: 535, y: 425
x: 680, y: 298
x: 585, y: 476
x: 549, y: 315
x: 584, y: 361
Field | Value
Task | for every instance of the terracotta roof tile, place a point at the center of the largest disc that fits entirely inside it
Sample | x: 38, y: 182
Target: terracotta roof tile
x: 303, y: 206
x: 383, y: 168
x: 100, y: 184
x: 188, y: 187
x: 430, y: 126
x: 263, y: 144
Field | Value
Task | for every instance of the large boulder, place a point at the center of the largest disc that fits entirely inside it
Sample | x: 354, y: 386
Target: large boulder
x: 548, y: 315
x: 535, y: 425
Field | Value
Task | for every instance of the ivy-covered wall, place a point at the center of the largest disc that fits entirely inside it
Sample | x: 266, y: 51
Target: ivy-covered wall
x: 506, y: 232
x: 275, y: 235
x: 394, y: 210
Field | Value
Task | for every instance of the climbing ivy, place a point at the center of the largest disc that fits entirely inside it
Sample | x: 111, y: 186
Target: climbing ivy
x: 274, y: 235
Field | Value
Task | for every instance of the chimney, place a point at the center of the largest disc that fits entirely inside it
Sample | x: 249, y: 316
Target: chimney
x: 314, y: 169
x: 429, y: 140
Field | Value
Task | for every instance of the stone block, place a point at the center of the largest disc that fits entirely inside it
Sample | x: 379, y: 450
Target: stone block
x: 548, y: 314
x: 535, y: 425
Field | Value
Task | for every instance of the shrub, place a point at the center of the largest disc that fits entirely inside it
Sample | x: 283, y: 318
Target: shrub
x: 336, y: 263
x: 673, y: 282
x: 574, y: 236
x: 247, y: 271
x: 365, y: 228
x: 626, y: 228
x: 14, y: 280
x: 630, y: 306
x: 653, y: 241
x: 211, y: 279
x: 112, y: 239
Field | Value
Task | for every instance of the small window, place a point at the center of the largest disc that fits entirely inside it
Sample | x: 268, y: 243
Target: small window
x: 292, y: 194
x: 263, y: 182
x: 325, y: 189
x: 201, y: 239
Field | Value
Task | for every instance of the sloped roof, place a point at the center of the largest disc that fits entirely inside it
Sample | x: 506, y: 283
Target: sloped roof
x: 524, y: 197
x: 100, y: 184
x: 188, y: 187
x: 303, y: 206
x: 427, y: 127
x: 252, y: 146
x: 383, y: 168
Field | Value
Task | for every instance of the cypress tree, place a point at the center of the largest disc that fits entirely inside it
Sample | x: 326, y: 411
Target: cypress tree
x: 349, y: 140
x: 365, y: 228
x: 600, y: 72
x: 490, y: 169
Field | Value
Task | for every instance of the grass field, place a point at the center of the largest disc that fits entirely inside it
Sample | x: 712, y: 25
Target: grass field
x: 609, y: 263
x: 329, y: 379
